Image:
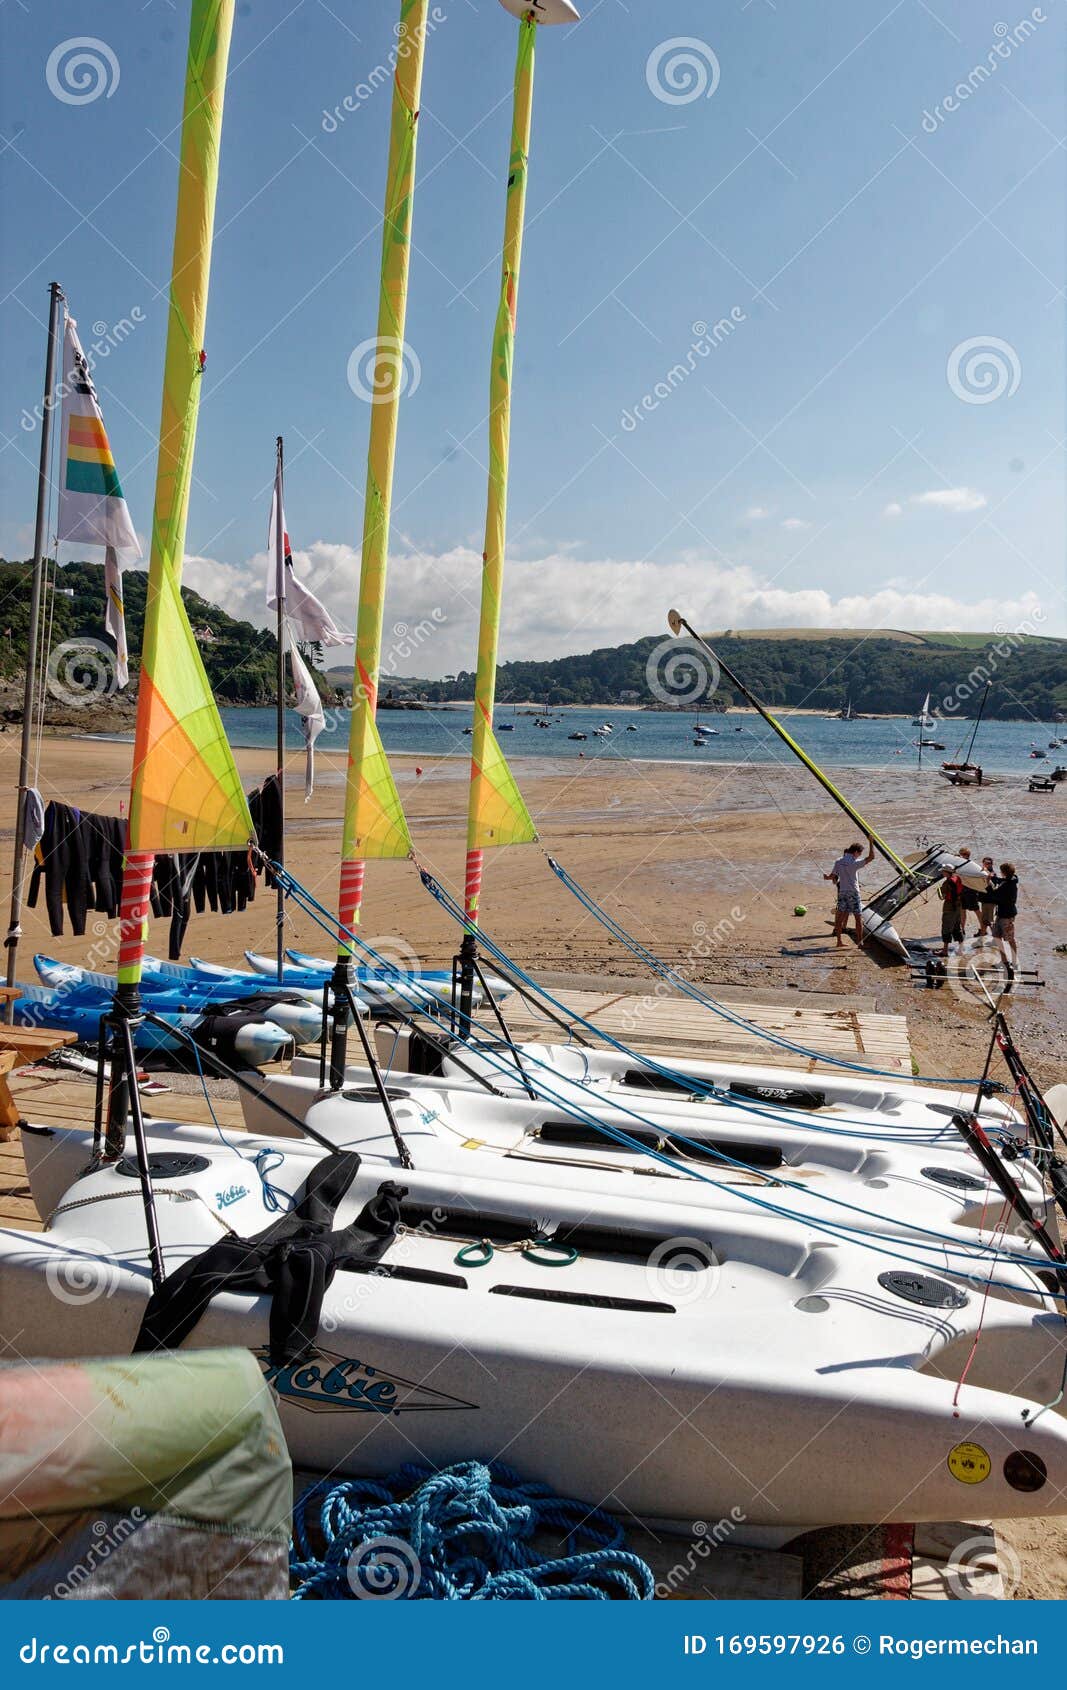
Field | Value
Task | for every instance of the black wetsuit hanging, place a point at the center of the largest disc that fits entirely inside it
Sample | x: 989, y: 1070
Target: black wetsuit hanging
x: 295, y: 1259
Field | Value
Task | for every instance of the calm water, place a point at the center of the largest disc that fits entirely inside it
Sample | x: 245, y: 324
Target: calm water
x: 1003, y: 747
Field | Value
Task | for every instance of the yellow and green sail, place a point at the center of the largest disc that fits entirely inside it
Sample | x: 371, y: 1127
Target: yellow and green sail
x: 186, y: 793
x: 374, y: 819
x: 496, y: 813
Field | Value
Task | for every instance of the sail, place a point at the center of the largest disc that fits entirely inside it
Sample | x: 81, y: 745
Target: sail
x: 496, y: 814
x: 372, y: 804
x: 186, y: 793
x: 374, y: 818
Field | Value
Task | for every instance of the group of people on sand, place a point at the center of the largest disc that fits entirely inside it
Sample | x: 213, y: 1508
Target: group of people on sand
x: 989, y: 893
x: 984, y: 891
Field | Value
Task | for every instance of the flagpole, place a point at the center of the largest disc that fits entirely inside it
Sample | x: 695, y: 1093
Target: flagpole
x: 14, y: 931
x: 279, y: 554
x: 387, y: 391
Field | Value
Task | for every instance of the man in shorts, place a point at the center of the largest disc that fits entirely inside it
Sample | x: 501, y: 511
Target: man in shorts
x: 969, y: 899
x: 1005, y: 889
x: 846, y: 876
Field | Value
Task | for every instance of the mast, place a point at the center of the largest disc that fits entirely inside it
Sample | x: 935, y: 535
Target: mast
x: 185, y: 793
x: 279, y: 553
x: 14, y: 930
x: 496, y: 814
x: 374, y: 824
x: 676, y: 623
x: 978, y: 720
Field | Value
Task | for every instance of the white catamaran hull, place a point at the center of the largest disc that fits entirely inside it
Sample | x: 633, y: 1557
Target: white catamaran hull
x: 682, y: 1391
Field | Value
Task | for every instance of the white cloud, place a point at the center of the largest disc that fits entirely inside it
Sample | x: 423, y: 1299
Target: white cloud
x: 893, y: 510
x: 795, y: 522
x: 556, y: 605
x: 958, y: 500
x: 756, y: 513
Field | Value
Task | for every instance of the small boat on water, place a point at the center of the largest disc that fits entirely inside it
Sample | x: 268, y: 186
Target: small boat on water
x: 577, y: 736
x: 964, y: 771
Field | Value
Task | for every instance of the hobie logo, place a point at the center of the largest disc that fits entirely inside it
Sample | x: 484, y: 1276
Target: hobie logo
x: 327, y: 1383
x: 232, y: 1194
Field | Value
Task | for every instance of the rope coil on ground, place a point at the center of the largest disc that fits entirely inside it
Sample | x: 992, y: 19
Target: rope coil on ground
x: 462, y: 1534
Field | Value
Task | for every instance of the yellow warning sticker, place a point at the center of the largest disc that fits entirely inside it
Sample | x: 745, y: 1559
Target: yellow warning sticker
x: 969, y: 1463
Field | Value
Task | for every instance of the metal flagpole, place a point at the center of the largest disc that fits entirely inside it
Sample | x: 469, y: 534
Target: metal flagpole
x: 279, y: 555
x: 14, y: 931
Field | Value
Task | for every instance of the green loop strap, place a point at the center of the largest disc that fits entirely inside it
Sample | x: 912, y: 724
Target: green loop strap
x: 477, y: 1255
x: 549, y: 1255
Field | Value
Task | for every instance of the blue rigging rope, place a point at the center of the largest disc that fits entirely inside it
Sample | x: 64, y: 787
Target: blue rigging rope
x: 945, y: 1244
x: 462, y: 1534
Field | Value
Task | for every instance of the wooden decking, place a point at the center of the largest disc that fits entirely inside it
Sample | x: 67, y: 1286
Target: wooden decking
x: 668, y: 1026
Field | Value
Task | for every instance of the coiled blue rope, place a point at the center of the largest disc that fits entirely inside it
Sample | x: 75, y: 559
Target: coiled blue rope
x: 464, y: 1534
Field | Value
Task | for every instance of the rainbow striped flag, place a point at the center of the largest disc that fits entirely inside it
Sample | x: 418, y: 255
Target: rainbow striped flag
x: 92, y: 509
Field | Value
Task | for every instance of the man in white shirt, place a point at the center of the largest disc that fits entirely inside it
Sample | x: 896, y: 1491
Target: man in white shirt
x: 846, y: 876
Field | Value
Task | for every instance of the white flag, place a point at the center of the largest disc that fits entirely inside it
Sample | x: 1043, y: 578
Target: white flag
x: 309, y: 705
x: 92, y: 509
x: 311, y: 620
x: 115, y: 614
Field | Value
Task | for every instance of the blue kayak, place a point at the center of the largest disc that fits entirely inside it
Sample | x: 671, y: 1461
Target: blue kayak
x: 295, y: 1013
x: 39, y: 1006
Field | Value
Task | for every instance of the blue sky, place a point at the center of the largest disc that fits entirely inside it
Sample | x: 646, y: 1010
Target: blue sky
x: 843, y: 451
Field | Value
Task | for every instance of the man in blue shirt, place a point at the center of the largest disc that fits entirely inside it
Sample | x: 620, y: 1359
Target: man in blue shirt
x: 846, y: 876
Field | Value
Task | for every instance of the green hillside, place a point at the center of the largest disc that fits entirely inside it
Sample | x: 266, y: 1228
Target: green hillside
x: 817, y: 671
x: 240, y: 660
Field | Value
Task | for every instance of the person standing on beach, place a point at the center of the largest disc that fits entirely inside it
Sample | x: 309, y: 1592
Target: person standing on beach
x: 846, y: 876
x: 987, y: 908
x: 1005, y: 888
x: 969, y: 897
x: 952, y: 890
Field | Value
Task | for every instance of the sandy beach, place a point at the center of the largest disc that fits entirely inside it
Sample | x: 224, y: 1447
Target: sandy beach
x: 705, y: 865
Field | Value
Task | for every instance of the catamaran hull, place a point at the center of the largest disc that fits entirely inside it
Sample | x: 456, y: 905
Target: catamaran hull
x: 781, y: 1384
